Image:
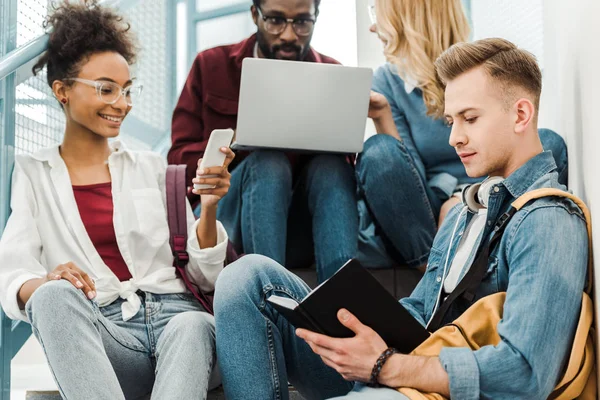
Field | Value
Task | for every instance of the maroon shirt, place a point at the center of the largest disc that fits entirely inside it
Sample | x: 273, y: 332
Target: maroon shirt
x: 95, y: 206
x: 209, y: 100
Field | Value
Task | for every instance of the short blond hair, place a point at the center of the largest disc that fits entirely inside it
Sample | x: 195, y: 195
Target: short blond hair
x: 510, y: 66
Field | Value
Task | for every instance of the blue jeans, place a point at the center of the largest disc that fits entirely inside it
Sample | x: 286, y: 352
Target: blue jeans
x: 294, y: 220
x: 404, y: 208
x: 167, y: 349
x: 258, y: 350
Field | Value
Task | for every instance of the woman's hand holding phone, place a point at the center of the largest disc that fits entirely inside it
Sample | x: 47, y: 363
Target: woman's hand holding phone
x: 217, y: 177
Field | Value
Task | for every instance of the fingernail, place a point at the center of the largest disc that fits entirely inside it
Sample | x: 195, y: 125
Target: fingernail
x: 90, y: 295
x: 344, y: 315
x: 79, y: 284
x: 202, y: 171
x: 224, y: 148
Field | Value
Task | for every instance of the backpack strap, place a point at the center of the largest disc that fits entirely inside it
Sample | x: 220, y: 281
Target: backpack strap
x: 176, y: 212
x: 177, y: 217
x: 469, y: 284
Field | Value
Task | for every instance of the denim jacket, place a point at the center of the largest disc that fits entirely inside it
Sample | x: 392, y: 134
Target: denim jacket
x: 541, y: 263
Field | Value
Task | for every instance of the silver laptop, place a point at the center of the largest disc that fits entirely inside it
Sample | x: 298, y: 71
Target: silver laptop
x: 304, y: 106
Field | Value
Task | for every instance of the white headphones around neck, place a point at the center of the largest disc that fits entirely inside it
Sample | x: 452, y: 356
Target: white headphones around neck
x: 477, y: 195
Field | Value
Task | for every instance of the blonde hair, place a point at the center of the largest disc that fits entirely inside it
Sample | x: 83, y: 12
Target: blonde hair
x: 502, y: 60
x: 416, y: 32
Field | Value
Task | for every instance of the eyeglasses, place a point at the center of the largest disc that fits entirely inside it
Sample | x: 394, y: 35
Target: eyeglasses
x: 276, y: 25
x: 111, y: 92
x: 372, y: 14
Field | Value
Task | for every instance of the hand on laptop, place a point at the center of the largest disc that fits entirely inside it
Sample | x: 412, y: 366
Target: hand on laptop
x: 381, y: 114
x: 378, y: 106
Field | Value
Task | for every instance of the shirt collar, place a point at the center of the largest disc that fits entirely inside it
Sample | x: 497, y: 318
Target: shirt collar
x: 521, y: 180
x: 410, y: 85
x: 52, y: 154
x: 246, y: 48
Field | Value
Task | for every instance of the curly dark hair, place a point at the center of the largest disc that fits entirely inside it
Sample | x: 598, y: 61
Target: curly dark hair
x: 257, y: 4
x: 79, y: 29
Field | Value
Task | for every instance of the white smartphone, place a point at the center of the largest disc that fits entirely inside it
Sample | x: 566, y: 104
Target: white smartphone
x: 213, y: 156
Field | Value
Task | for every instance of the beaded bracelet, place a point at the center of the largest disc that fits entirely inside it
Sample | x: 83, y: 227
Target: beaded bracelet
x: 379, y: 365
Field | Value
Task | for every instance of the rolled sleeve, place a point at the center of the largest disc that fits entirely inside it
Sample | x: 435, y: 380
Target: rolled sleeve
x: 205, y: 265
x: 10, y: 304
x: 463, y: 372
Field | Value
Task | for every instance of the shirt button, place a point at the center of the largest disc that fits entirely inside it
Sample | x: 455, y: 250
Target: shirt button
x: 438, y: 279
x: 489, y: 223
x: 496, y: 189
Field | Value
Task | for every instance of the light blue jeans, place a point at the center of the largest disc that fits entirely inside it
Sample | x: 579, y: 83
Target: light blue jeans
x: 167, y: 349
x: 258, y: 349
x: 295, y: 216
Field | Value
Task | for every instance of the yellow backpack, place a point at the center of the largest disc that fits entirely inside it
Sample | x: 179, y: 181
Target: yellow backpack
x: 477, y: 327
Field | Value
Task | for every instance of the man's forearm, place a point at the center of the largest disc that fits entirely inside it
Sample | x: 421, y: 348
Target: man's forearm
x: 422, y: 373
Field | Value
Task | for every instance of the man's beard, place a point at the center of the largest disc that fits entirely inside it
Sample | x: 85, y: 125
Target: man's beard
x: 270, y: 52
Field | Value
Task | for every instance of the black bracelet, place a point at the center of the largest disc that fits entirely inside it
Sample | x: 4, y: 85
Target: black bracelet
x: 379, y: 365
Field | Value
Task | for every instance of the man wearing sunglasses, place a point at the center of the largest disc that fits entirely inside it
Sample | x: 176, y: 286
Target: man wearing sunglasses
x: 277, y: 200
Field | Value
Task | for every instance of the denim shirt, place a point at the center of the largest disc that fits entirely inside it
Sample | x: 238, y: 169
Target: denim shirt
x: 541, y: 263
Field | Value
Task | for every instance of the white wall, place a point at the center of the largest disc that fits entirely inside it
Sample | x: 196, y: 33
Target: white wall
x: 335, y: 31
x: 369, y: 47
x: 571, y: 96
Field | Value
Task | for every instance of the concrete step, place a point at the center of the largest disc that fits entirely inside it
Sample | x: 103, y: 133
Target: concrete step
x: 216, y: 394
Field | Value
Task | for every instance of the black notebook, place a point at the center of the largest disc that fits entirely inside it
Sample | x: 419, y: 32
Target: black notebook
x: 354, y: 288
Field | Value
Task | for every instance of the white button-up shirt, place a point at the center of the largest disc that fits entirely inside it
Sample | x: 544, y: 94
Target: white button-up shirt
x: 45, y: 230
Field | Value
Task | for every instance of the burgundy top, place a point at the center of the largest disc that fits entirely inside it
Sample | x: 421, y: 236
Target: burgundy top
x: 209, y: 100
x: 96, y: 210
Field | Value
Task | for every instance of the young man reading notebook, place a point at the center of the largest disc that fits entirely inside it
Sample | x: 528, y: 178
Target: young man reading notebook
x: 492, y: 92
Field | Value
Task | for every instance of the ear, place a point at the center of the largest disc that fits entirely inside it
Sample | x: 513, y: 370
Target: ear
x: 59, y: 89
x: 525, y: 112
x: 254, y: 12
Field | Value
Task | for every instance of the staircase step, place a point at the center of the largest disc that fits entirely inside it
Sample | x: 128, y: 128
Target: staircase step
x: 216, y: 394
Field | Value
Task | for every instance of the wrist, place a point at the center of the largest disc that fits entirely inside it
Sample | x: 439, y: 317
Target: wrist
x: 389, y: 375
x: 208, y: 209
x: 382, y: 361
x: 384, y: 115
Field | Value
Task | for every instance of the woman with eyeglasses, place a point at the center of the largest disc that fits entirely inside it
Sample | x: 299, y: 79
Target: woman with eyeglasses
x: 85, y: 256
x: 408, y: 173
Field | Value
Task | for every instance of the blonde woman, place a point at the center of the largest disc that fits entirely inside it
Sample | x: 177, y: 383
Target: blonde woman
x: 408, y: 173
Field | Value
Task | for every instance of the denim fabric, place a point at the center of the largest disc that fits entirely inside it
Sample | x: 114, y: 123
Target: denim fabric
x: 167, y: 349
x: 541, y: 263
x: 294, y: 219
x: 398, y: 205
x: 258, y: 350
